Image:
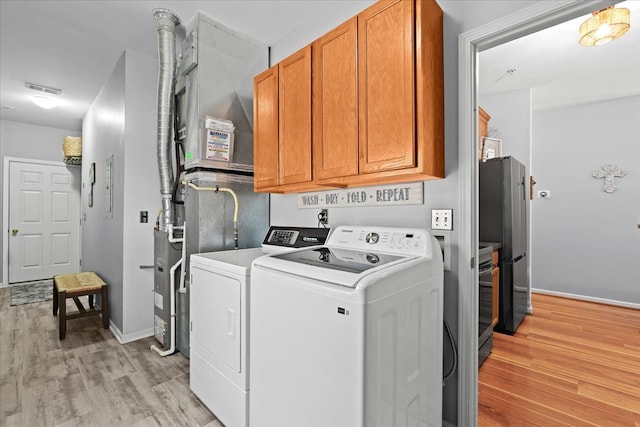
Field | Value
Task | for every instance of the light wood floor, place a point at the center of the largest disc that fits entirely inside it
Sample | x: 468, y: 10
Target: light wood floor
x: 571, y: 363
x: 88, y: 379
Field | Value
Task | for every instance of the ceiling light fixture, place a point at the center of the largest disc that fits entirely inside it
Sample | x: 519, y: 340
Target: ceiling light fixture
x: 604, y: 25
x: 44, y: 101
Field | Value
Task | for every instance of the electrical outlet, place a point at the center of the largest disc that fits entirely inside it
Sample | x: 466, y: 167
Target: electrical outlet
x: 323, y: 217
x: 442, y: 219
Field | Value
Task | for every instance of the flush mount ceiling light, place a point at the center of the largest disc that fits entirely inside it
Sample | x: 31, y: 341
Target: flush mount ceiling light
x: 44, y: 101
x: 604, y: 26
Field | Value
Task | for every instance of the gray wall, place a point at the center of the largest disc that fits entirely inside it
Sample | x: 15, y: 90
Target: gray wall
x: 29, y: 141
x: 121, y: 122
x: 142, y: 192
x: 585, y: 241
x: 103, y: 136
x: 511, y: 118
x: 460, y: 16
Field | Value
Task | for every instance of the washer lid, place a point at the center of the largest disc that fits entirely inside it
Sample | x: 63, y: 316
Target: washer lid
x: 340, y: 266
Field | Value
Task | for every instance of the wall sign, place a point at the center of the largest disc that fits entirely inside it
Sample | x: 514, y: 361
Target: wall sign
x: 387, y: 195
x: 608, y: 172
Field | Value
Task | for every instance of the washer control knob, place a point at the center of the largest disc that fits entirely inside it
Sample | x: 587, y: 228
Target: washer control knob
x: 372, y: 238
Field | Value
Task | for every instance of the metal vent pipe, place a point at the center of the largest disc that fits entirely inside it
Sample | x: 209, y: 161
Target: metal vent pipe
x: 167, y: 21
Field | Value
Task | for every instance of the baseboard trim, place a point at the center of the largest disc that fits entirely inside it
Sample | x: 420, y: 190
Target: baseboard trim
x: 124, y: 339
x: 587, y: 298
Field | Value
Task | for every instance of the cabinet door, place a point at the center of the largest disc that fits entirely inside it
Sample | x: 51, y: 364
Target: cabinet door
x: 386, y: 84
x: 483, y: 128
x: 495, y: 282
x: 265, y: 133
x: 495, y: 292
x: 295, y: 118
x: 335, y: 103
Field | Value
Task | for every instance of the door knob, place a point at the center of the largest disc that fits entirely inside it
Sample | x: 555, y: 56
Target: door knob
x: 14, y: 231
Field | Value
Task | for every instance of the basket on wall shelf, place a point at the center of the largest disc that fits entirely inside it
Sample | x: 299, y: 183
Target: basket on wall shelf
x: 72, y: 150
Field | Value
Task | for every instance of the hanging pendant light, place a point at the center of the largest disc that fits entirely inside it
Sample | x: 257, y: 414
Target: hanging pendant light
x: 604, y: 26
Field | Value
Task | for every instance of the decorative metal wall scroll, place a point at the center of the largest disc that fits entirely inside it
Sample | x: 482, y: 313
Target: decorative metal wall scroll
x: 608, y: 172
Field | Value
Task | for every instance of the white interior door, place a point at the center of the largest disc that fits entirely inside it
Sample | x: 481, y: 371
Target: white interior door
x: 44, y: 223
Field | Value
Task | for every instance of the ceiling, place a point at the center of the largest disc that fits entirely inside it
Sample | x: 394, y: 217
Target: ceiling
x: 559, y: 71
x: 73, y: 46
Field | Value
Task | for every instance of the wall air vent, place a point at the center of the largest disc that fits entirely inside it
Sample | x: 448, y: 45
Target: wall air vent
x: 40, y: 88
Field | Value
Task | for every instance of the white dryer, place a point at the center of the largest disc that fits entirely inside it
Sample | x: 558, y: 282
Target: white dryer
x: 219, y: 337
x: 349, y: 334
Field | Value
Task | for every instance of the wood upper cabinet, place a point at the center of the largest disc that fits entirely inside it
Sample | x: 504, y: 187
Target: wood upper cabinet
x: 386, y: 73
x: 370, y: 93
x: 483, y: 128
x: 265, y: 136
x: 282, y: 123
x: 335, y: 103
x: 295, y: 118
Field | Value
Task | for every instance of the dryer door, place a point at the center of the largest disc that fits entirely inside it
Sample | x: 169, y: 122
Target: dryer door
x: 215, y: 315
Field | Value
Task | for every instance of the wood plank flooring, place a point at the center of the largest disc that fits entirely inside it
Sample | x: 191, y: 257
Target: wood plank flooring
x: 88, y: 379
x: 571, y: 363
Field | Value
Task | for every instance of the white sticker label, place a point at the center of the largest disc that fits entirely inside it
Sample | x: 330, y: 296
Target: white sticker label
x: 218, y: 145
x: 158, y: 300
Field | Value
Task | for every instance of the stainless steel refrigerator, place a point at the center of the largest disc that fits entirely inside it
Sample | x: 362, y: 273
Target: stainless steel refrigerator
x: 503, y: 218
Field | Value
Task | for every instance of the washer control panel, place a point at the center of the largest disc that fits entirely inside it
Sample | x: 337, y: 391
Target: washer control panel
x: 282, y: 237
x: 407, y: 241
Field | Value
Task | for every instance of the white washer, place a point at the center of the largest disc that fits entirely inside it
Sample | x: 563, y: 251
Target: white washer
x: 349, y: 334
x: 219, y: 302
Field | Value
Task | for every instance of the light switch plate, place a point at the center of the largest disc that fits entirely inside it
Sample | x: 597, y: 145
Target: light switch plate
x: 442, y: 219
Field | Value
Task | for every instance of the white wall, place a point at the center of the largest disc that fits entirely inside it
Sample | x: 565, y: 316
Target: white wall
x: 585, y: 241
x: 142, y: 192
x: 459, y: 16
x: 29, y: 141
x: 122, y: 122
x: 102, y: 238
x: 511, y: 118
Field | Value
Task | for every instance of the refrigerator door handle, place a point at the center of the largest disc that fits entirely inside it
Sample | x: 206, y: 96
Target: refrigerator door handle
x: 513, y: 260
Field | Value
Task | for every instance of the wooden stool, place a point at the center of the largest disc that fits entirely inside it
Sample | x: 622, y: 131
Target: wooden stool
x: 76, y: 285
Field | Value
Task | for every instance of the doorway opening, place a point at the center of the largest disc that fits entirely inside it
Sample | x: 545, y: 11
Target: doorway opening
x: 511, y: 27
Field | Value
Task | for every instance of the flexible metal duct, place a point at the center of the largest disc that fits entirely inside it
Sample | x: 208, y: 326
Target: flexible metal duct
x: 167, y: 21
